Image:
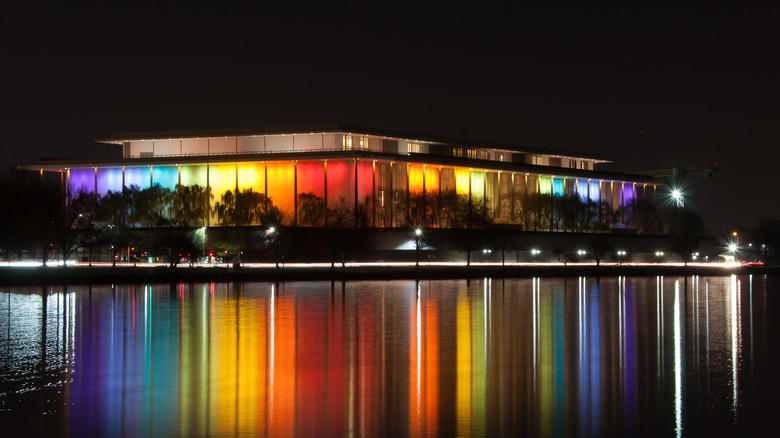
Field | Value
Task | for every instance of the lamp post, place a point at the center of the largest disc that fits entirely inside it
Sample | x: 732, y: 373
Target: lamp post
x: 203, y: 242
x: 417, y: 244
x: 271, y: 238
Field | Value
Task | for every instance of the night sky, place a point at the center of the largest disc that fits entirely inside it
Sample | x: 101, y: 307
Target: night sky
x: 647, y: 87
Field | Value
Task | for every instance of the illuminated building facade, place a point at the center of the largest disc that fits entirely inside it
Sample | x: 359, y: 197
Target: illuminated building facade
x: 379, y: 178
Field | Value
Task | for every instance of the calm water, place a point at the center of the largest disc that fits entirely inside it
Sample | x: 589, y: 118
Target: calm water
x: 669, y: 356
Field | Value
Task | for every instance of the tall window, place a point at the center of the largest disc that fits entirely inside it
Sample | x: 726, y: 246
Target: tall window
x: 499, y: 156
x: 457, y: 152
x: 346, y: 142
x: 364, y: 143
x: 572, y: 164
x: 414, y: 148
x: 484, y: 155
x: 584, y: 165
x: 471, y: 153
x: 537, y: 159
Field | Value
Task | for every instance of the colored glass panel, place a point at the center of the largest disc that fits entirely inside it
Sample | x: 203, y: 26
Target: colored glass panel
x: 416, y: 175
x: 365, y: 188
x: 109, y: 179
x: 165, y: 176
x: 222, y: 177
x: 628, y: 194
x: 340, y: 179
x: 281, y: 186
x: 477, y: 184
x: 594, y: 191
x: 557, y: 187
x: 311, y: 177
x: 582, y: 190
x: 82, y: 180
x: 251, y: 176
x: 545, y: 185
x: 431, y: 179
x: 137, y: 176
x: 194, y: 174
x: 462, y: 181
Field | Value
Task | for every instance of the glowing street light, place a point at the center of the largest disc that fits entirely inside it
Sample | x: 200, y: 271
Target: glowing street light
x: 678, y: 196
x: 203, y: 241
x: 417, y: 244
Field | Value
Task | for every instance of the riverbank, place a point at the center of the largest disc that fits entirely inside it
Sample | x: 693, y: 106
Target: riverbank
x: 12, y: 276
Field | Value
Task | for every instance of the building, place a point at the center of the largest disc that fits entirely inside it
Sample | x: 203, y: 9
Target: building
x: 349, y: 176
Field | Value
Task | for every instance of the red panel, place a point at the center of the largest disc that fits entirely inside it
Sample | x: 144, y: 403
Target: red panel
x: 340, y: 182
x: 311, y: 177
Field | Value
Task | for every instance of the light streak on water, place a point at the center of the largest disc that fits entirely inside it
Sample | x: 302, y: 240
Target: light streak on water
x: 678, y: 407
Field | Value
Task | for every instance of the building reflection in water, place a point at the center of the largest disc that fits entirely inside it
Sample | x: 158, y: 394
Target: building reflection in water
x: 579, y: 357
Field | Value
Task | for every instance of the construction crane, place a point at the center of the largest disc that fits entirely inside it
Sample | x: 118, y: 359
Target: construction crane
x: 675, y: 174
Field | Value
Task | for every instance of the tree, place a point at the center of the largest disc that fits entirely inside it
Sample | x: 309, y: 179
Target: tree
x: 152, y: 204
x: 192, y: 205
x: 172, y: 242
x: 115, y: 237
x: 340, y: 214
x: 312, y: 210
x: 69, y: 219
x: 598, y: 247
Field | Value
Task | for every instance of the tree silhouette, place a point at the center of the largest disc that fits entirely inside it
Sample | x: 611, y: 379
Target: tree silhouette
x: 340, y: 214
x: 247, y: 207
x: 312, y: 210
x: 192, y: 205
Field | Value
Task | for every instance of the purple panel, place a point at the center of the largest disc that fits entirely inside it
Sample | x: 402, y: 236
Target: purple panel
x: 82, y: 179
x: 628, y: 195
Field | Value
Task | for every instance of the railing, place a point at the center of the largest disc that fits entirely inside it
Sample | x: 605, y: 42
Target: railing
x: 294, y: 151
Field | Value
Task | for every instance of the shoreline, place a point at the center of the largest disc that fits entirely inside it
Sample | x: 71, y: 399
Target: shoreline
x: 73, y: 275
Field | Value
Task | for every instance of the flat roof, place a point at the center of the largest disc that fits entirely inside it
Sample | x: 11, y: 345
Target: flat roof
x: 349, y: 154
x: 119, y: 138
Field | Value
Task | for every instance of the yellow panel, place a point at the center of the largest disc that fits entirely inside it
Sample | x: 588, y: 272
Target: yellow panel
x: 415, y: 178
x: 431, y: 179
x: 462, y: 181
x: 251, y: 176
x: 281, y: 186
x: 222, y: 177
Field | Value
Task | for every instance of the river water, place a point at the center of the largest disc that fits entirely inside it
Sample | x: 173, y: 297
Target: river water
x: 640, y: 356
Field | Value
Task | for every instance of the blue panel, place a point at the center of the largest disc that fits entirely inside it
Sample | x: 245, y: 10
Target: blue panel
x: 582, y: 190
x: 557, y: 187
x: 137, y: 176
x: 165, y: 176
x: 109, y: 178
x: 594, y: 191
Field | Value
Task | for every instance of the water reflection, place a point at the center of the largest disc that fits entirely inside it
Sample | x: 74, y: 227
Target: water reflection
x: 582, y: 357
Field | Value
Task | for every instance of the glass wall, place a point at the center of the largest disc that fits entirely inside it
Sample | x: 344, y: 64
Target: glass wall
x: 375, y: 193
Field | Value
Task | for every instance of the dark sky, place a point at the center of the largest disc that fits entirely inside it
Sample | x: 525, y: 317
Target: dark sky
x: 647, y: 87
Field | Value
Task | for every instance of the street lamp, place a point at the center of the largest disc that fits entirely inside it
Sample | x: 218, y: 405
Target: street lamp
x: 417, y: 244
x: 271, y: 238
x: 679, y: 197
x: 621, y: 256
x: 203, y: 241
